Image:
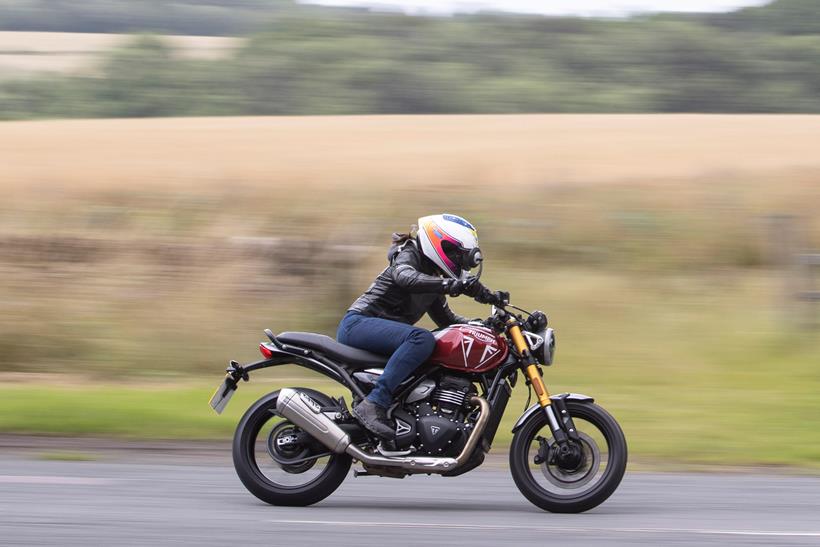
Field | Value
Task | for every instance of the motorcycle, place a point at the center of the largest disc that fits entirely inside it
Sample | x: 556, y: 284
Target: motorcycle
x: 296, y: 445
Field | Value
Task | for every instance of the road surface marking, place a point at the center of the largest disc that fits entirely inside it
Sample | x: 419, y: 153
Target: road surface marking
x: 480, y: 527
x: 51, y: 479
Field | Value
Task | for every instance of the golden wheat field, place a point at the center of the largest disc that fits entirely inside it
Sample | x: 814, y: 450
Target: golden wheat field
x: 71, y: 52
x: 532, y: 150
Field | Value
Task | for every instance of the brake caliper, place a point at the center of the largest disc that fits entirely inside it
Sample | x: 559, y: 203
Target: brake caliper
x: 543, y: 451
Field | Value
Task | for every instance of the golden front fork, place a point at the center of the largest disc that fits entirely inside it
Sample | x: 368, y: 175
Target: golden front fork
x: 532, y: 369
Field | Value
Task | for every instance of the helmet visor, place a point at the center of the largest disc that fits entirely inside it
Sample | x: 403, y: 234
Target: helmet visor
x: 457, y: 255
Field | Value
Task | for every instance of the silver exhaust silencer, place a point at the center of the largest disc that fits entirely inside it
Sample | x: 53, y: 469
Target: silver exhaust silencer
x: 303, y: 411
x: 306, y: 413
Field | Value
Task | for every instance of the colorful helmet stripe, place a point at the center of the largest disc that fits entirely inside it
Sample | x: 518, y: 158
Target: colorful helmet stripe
x: 437, y: 235
x: 461, y: 221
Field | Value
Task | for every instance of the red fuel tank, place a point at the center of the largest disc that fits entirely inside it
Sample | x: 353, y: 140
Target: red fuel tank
x: 469, y: 349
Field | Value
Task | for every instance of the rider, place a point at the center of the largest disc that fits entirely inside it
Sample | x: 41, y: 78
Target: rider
x: 425, y: 266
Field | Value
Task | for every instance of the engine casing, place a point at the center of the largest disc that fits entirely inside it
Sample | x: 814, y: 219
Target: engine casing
x: 434, y: 421
x: 437, y: 434
x: 466, y: 348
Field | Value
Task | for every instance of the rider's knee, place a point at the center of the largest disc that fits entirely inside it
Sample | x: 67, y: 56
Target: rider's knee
x: 424, y: 339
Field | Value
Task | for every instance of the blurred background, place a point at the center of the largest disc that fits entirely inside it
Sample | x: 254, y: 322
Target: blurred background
x: 178, y: 175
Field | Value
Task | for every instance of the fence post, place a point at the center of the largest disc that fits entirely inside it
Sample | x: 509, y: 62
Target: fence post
x: 809, y: 265
x: 781, y: 249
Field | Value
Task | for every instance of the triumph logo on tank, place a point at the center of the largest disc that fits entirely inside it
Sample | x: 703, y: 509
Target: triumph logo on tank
x: 489, y: 353
x: 467, y: 345
x: 483, y: 336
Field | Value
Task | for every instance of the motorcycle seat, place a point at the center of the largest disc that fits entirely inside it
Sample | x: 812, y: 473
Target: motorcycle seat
x: 353, y: 358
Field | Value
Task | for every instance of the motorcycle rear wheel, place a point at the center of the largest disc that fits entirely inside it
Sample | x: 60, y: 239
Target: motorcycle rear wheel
x: 576, y: 490
x: 251, y: 460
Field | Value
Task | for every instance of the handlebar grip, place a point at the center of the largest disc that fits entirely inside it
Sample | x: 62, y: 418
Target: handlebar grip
x: 504, y: 296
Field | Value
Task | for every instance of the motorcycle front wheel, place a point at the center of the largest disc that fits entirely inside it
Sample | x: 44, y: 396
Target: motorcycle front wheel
x: 279, y: 463
x: 580, y: 478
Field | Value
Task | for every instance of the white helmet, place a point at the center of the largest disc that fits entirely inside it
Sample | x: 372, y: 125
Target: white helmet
x: 451, y: 243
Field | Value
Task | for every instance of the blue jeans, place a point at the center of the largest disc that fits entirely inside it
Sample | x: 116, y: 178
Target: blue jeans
x: 408, y: 347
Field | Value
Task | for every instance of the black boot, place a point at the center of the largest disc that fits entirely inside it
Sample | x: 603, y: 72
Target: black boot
x: 374, y: 419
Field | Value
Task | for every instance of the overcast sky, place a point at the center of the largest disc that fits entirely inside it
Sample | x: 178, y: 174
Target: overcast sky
x: 549, y: 7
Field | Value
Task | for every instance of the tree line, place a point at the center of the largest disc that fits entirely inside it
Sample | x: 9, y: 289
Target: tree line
x: 315, y: 60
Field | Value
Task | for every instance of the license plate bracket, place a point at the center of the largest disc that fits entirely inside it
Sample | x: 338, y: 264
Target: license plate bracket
x: 223, y: 394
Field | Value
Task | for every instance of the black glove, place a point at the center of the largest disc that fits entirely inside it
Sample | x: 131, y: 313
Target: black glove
x: 500, y: 298
x: 497, y: 298
x: 472, y: 287
x: 469, y: 286
x: 453, y: 287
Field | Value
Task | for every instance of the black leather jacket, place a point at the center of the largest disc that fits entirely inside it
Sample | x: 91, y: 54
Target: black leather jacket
x: 407, y: 289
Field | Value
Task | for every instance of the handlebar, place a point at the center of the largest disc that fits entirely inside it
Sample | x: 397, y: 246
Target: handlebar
x: 535, y: 320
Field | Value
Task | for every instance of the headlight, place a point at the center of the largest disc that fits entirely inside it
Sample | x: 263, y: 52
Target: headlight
x: 542, y: 345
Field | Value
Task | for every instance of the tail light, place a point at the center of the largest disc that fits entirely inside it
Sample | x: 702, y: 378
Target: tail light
x: 265, y: 351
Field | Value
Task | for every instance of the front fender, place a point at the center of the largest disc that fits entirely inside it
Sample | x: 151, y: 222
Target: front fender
x: 534, y: 409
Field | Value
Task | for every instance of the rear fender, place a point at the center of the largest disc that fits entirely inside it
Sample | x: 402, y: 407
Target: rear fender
x: 536, y: 408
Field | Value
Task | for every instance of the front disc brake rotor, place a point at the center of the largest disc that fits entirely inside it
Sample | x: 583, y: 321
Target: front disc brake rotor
x: 283, y: 445
x: 581, y: 475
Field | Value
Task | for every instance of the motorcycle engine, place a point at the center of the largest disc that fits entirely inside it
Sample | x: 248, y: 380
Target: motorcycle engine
x: 436, y: 424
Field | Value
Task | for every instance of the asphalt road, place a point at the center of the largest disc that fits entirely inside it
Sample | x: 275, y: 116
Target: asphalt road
x: 97, y: 503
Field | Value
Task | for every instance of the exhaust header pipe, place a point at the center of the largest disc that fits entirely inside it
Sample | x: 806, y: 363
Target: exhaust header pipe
x: 306, y: 413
